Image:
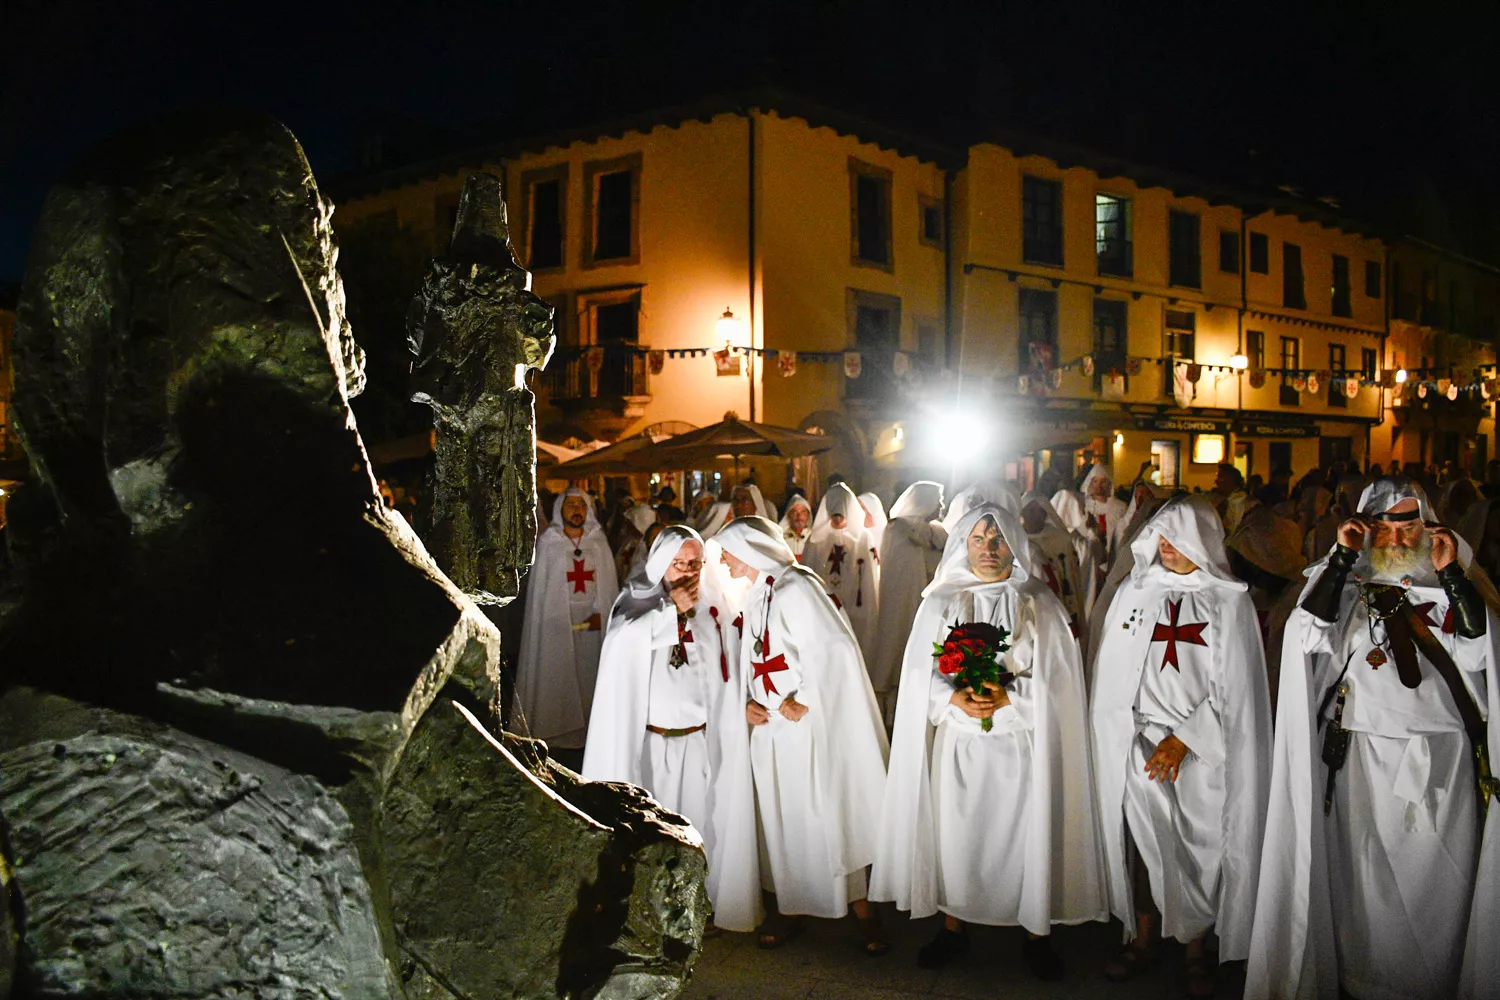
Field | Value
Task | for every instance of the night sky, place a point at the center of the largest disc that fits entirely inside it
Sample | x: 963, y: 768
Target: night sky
x: 1391, y: 110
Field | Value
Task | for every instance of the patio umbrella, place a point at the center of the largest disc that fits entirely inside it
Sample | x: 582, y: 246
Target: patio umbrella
x: 607, y: 460
x: 729, y: 438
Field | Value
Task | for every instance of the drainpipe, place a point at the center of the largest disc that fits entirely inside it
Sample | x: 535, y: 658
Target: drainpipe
x: 750, y: 202
x: 947, y: 265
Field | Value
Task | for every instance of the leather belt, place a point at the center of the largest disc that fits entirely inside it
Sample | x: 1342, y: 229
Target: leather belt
x: 659, y: 731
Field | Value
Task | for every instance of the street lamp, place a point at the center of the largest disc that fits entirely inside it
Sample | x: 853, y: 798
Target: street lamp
x: 1400, y: 375
x: 1238, y: 361
x: 728, y: 327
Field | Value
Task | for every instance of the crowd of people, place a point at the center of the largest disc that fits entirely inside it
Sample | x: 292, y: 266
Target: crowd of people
x: 1253, y: 720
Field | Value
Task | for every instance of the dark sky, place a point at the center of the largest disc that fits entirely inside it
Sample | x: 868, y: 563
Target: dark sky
x: 1391, y: 108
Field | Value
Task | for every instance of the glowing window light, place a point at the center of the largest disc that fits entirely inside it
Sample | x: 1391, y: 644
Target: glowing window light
x: 1208, y: 449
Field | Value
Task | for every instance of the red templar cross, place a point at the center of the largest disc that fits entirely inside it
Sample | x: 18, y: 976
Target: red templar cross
x: 836, y: 560
x: 763, y: 671
x: 578, y: 576
x: 1172, y: 634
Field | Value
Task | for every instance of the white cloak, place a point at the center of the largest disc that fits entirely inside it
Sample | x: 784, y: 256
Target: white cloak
x: 1060, y: 868
x: 847, y: 560
x: 817, y: 781
x: 557, y: 666
x: 796, y: 540
x: 1413, y: 796
x: 1202, y: 843
x: 910, y: 553
x: 636, y: 655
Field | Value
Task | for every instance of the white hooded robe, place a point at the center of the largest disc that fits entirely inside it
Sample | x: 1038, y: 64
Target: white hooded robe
x: 848, y: 561
x: 911, y: 549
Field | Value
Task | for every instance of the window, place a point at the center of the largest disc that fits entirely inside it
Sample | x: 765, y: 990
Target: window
x: 875, y: 322
x: 1260, y: 253
x: 1185, y: 263
x: 1112, y: 235
x: 1293, y: 294
x: 1367, y: 362
x: 1403, y: 306
x: 1255, y: 349
x: 1181, y: 343
x: 1372, y: 279
x: 1109, y: 339
x: 1291, y: 360
x: 1336, y: 397
x: 1038, y: 331
x: 930, y: 221
x: 1430, y: 315
x: 870, y: 215
x: 1341, y: 293
x: 612, y: 198
x: 610, y: 319
x: 1165, y: 458
x: 544, y: 225
x: 1041, y: 221
x: 1209, y: 449
x: 1229, y: 251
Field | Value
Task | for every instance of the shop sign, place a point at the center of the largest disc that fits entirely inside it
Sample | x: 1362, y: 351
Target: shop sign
x: 1270, y: 429
x: 1184, y: 425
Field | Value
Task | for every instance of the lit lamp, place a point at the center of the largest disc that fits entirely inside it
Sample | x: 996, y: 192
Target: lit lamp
x: 1119, y: 439
x: 1238, y: 361
x: 1400, y: 375
x: 728, y: 327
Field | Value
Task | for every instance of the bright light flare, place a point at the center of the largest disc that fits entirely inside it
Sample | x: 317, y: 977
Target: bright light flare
x: 1239, y: 362
x: 960, y: 436
x: 1400, y: 375
x: 728, y: 327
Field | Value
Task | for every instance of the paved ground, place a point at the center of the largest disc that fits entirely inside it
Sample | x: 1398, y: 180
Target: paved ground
x: 825, y: 962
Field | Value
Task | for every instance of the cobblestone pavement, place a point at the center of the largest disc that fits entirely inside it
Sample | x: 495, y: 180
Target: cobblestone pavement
x: 825, y: 963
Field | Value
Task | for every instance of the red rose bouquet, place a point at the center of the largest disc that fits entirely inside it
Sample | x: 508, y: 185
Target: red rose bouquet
x: 971, y: 656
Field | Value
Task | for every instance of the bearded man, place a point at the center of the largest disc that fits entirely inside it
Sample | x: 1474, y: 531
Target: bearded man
x: 817, y: 745
x: 988, y: 812
x: 1380, y: 876
x: 796, y: 524
x: 668, y: 714
x: 842, y: 552
x: 910, y: 548
x: 1182, y: 756
x: 569, y: 592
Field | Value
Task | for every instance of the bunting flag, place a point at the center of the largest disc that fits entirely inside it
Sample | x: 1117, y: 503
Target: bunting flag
x: 1194, y: 373
x: 1132, y: 366
x: 1258, y: 379
x: 656, y: 361
x: 1351, y: 387
x: 787, y: 362
x: 1182, y: 389
x: 1113, y: 387
x: 1452, y: 392
x: 1087, y: 364
x: 851, y: 364
x: 725, y: 363
x: 1023, y: 384
x: 1422, y: 390
x: 1313, y: 383
x: 1054, y: 379
x: 1299, y: 383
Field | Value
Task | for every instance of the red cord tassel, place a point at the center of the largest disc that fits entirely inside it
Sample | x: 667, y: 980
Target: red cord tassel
x: 859, y: 590
x: 723, y: 661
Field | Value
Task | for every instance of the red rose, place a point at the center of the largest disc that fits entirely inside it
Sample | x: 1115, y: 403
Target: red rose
x: 951, y: 663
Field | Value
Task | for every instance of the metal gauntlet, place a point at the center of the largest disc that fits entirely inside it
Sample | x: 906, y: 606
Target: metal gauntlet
x: 1469, y: 618
x: 1323, y: 600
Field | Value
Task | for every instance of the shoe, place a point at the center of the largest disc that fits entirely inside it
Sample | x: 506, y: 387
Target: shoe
x: 1202, y: 977
x: 1041, y: 959
x: 1129, y: 963
x: 943, y: 949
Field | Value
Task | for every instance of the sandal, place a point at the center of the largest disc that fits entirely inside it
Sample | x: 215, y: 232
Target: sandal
x: 711, y: 930
x: 875, y: 942
x: 1202, y: 977
x: 776, y: 930
x: 1129, y: 963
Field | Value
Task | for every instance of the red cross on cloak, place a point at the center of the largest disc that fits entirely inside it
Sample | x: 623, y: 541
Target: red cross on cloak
x: 1171, y: 633
x: 579, y: 575
x: 764, y: 670
x: 1052, y: 578
x: 836, y: 560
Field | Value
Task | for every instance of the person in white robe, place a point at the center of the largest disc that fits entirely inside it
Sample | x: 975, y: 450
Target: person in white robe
x: 570, y: 589
x: 713, y: 518
x: 746, y: 499
x: 1182, y: 756
x: 1072, y: 510
x: 844, y: 554
x: 796, y: 524
x: 911, y: 549
x: 637, y: 520
x: 817, y: 745
x: 982, y: 491
x: 1144, y: 502
x: 1056, y: 558
x: 1106, y: 509
x: 669, y: 715
x: 1381, y: 876
x: 993, y: 827
x: 875, y: 517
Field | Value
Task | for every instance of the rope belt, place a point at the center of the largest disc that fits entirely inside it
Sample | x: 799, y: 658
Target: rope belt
x: 659, y: 731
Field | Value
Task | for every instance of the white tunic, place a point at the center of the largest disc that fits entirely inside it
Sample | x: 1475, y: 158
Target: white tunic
x: 848, y: 560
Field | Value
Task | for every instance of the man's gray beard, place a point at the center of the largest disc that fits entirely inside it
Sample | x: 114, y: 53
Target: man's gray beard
x: 1390, y: 563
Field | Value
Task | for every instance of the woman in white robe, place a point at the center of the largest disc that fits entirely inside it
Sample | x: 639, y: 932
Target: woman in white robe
x: 992, y: 827
x: 668, y: 716
x: 817, y: 745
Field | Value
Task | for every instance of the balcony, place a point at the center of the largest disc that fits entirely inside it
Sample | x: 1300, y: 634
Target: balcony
x: 605, y: 400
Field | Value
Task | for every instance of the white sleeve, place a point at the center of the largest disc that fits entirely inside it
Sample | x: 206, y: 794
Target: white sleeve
x: 1203, y: 733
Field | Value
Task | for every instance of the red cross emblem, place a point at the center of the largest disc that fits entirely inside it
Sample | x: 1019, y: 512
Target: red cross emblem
x: 578, y: 576
x: 836, y: 560
x: 1052, y: 578
x: 1171, y: 633
x: 763, y: 671
x: 739, y: 622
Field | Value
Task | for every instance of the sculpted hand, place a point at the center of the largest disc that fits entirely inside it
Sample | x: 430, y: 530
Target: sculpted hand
x: 756, y: 714
x: 1165, y: 764
x: 1352, y: 533
x: 793, y: 709
x: 1444, y: 548
x: 972, y: 705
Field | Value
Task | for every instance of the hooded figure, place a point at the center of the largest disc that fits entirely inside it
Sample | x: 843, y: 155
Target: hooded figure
x: 842, y: 551
x: 747, y: 499
x: 1182, y: 756
x: 796, y: 537
x: 910, y: 551
x: 1056, y: 558
x: 875, y: 519
x: 991, y: 826
x: 1380, y: 875
x: 817, y: 746
x: 669, y: 715
x: 713, y: 518
x: 1144, y: 502
x: 569, y: 592
x: 984, y: 491
x: 1072, y: 511
x: 636, y: 520
x: 1107, y: 510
